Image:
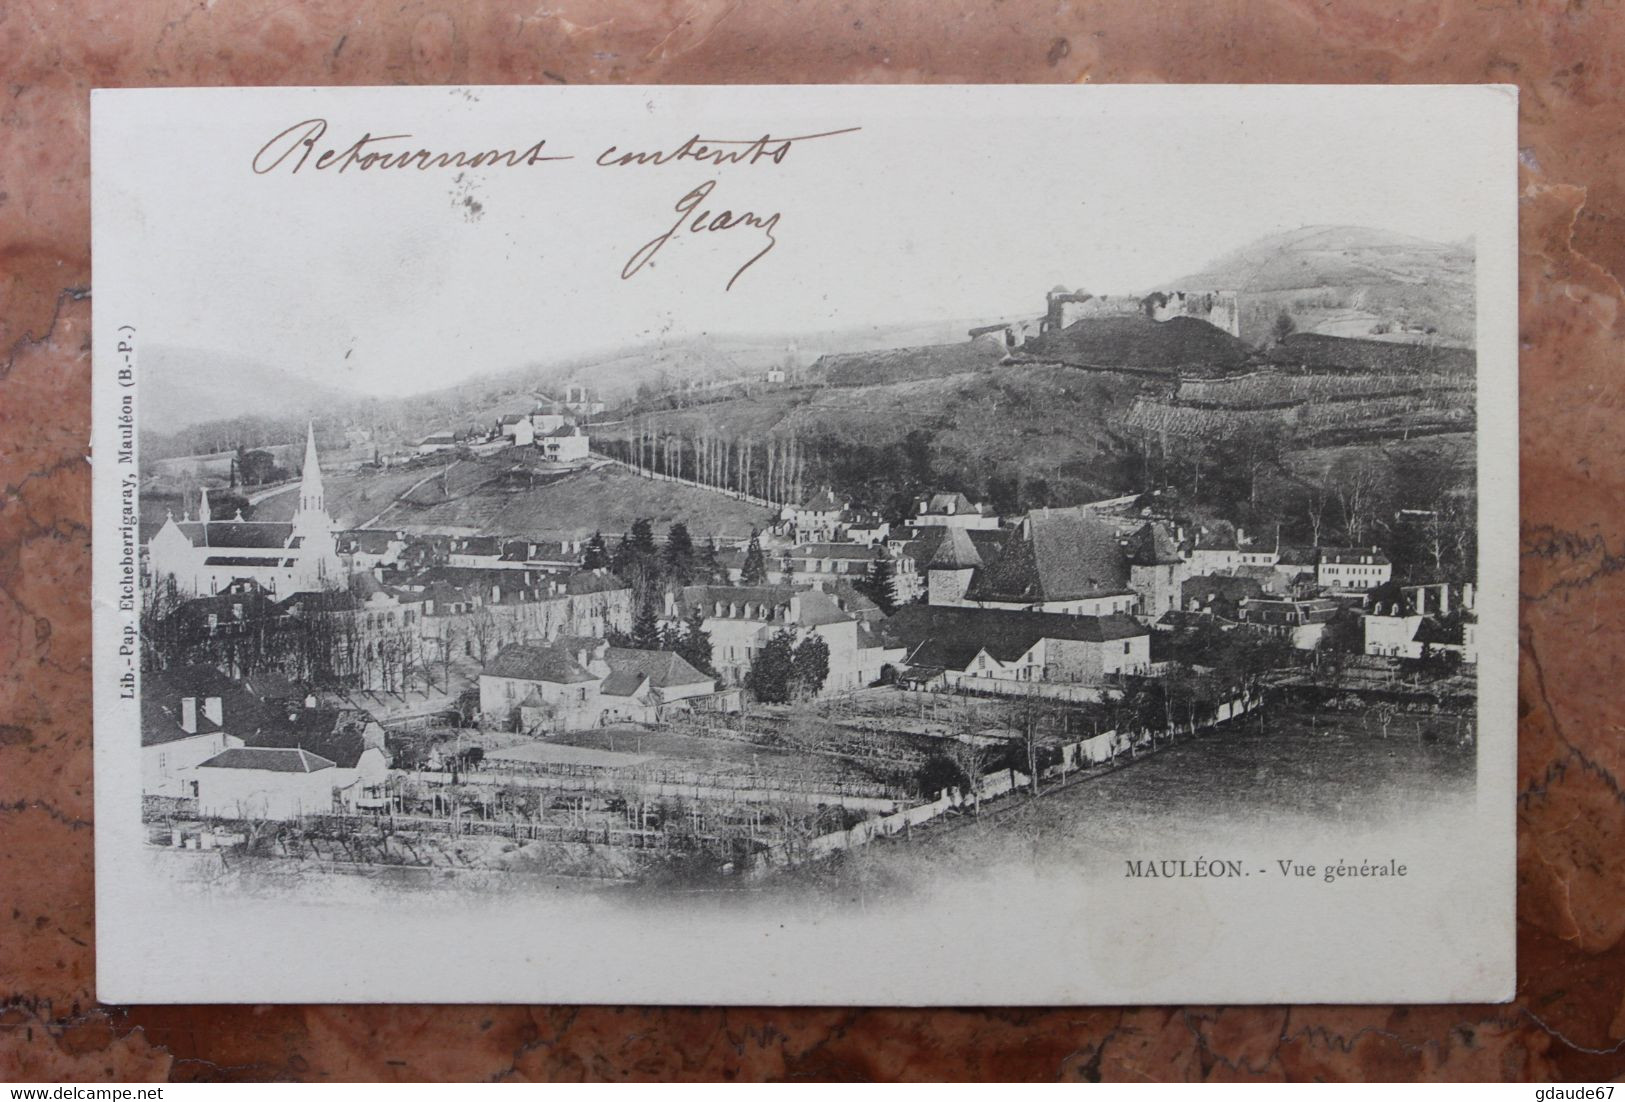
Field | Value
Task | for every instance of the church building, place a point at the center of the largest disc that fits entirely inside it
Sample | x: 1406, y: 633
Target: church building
x: 206, y: 555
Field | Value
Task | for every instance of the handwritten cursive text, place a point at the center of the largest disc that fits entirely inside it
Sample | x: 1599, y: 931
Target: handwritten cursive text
x: 706, y: 221
x: 717, y: 151
x: 299, y: 142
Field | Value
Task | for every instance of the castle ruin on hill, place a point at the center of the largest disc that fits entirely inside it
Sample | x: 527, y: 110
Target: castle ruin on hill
x: 1218, y: 308
x: 1062, y: 308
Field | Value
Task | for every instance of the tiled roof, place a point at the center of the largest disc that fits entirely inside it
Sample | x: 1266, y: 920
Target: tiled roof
x: 320, y: 600
x: 922, y: 541
x: 1153, y: 545
x: 956, y: 551
x: 526, y: 662
x: 707, y: 597
x: 622, y: 683
x: 822, y: 499
x: 663, y: 668
x: 337, y: 734
x: 242, y: 711
x: 227, y: 534
x: 1221, y: 537
x: 1061, y: 554
x: 836, y: 551
x: 951, y: 637
x: 587, y: 581
x: 856, y: 602
x: 1354, y: 556
x: 1222, y: 586
x: 271, y: 760
x: 161, y: 720
x: 818, y: 608
x: 371, y: 541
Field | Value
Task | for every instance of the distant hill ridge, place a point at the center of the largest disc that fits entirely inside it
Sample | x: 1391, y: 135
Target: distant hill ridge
x: 1351, y: 281
x: 1321, y: 256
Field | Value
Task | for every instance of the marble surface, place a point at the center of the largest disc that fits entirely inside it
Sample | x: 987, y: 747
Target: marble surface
x: 1569, y: 1018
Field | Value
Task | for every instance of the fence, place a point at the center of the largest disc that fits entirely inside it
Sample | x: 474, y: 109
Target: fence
x: 167, y: 807
x: 750, y: 787
x: 1094, y: 750
x: 1043, y: 690
x: 737, y: 495
x: 785, y: 739
x: 784, y: 854
x: 342, y: 825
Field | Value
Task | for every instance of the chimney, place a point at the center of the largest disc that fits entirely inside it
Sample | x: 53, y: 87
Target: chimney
x: 496, y: 594
x: 1467, y: 595
x: 211, y: 709
x: 189, y: 714
x: 1444, y: 598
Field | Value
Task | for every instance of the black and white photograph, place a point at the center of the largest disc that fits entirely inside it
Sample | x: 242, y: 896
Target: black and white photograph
x: 821, y: 545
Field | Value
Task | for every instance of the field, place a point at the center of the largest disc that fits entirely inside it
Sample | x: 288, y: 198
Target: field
x: 353, y: 497
x: 1433, y: 460
x: 904, y: 364
x: 574, y: 506
x: 1365, y: 418
x: 1299, y: 778
x: 1036, y: 421
x: 1268, y: 388
x: 667, y: 749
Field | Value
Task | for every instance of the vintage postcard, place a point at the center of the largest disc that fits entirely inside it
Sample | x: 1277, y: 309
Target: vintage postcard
x: 832, y: 545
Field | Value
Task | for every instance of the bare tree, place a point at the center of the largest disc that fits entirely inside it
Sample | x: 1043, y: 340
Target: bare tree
x: 1317, y: 498
x: 972, y: 758
x: 1357, y: 483
x: 483, y: 630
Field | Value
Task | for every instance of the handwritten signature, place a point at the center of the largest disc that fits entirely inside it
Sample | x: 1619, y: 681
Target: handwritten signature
x: 719, y: 152
x: 706, y: 222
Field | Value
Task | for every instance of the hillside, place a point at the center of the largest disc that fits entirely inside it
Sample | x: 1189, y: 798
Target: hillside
x: 181, y: 387
x: 352, y: 497
x: 1137, y: 343
x: 1348, y: 281
x: 607, y: 498
x: 492, y: 497
x: 898, y: 365
x: 1319, y: 352
x: 1046, y: 426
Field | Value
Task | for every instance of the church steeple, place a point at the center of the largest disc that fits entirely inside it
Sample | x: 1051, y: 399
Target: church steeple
x: 310, y: 480
x: 203, y: 505
x: 312, y: 527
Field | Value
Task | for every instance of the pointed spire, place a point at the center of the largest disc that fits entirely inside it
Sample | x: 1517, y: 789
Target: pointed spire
x: 203, y: 513
x: 955, y: 552
x: 311, y: 499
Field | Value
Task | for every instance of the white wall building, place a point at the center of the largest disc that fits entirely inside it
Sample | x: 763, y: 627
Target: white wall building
x: 1353, y: 568
x: 205, y: 555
